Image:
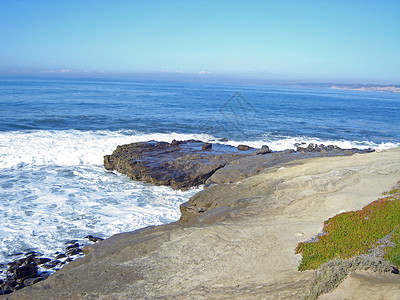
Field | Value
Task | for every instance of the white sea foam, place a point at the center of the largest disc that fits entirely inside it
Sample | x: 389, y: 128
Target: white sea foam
x: 282, y: 143
x: 73, y: 147
x: 42, y: 207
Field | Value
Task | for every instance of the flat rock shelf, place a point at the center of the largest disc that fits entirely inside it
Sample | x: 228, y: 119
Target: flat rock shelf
x: 185, y: 164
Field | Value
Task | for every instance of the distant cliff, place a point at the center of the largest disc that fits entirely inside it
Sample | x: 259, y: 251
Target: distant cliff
x: 354, y: 87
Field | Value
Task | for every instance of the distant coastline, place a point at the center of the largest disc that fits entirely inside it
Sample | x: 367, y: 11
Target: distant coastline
x: 353, y: 87
x: 369, y: 87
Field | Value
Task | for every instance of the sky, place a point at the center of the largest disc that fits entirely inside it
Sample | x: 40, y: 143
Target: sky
x: 299, y: 40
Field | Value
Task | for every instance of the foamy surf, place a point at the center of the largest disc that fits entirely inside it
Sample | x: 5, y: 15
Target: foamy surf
x: 74, y: 147
x: 283, y: 142
x: 42, y: 207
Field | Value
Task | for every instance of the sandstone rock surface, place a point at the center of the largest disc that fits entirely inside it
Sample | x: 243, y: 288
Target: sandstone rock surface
x: 241, y: 247
x: 367, y: 285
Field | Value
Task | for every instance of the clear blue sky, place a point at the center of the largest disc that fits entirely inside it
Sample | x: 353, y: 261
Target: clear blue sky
x: 337, y: 40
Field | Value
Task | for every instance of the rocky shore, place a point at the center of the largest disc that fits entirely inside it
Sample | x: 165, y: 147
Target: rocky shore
x: 237, y: 238
x: 32, y: 267
x: 185, y: 164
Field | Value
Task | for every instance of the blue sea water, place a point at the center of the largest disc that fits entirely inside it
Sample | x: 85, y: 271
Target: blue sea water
x: 54, y: 133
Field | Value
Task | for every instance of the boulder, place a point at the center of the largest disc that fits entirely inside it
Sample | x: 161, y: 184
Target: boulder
x: 206, y: 146
x: 243, y: 148
x: 264, y: 150
x: 25, y: 271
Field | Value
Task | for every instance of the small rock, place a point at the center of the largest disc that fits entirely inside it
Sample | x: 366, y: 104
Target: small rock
x: 12, y: 268
x: 61, y: 255
x: 25, y: 271
x: 175, y: 143
x: 71, y: 242
x: 9, y: 284
x: 264, y: 150
x: 76, y: 245
x: 94, y: 238
x: 48, y: 266
x: 206, y: 146
x: 287, y: 151
x: 32, y: 280
x: 18, y: 287
x: 73, y: 251
x: 311, y: 147
x: 29, y: 260
x: 243, y: 147
x: 31, y: 253
x: 53, y: 264
x: 5, y: 292
x: 42, y: 260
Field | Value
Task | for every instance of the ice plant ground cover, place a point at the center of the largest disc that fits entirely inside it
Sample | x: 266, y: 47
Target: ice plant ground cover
x: 356, y: 232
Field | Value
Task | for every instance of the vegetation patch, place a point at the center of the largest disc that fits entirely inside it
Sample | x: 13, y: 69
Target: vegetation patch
x: 357, y: 232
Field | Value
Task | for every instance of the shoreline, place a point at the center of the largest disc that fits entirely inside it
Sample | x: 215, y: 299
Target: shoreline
x: 243, y: 246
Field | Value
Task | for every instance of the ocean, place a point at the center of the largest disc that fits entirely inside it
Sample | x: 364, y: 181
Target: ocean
x: 54, y: 133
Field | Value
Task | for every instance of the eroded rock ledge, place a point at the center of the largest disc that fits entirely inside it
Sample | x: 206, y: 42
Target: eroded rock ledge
x: 184, y: 164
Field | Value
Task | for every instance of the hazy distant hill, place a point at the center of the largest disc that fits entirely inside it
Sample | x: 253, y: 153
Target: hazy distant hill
x: 356, y: 87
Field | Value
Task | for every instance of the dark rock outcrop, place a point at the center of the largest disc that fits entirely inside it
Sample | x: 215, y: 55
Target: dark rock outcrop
x: 180, y: 164
x: 243, y: 148
x: 184, y: 164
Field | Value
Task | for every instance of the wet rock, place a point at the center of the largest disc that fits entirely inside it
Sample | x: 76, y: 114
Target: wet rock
x: 48, y: 266
x: 76, y: 245
x: 32, y: 253
x: 243, y: 148
x: 94, y: 239
x: 29, y: 260
x: 74, y: 251
x: 9, y: 284
x: 25, y: 271
x: 206, y: 146
x: 52, y: 264
x: 184, y: 164
x: 71, y: 242
x: 32, y: 280
x: 6, y: 292
x: 333, y: 150
x: 264, y: 150
x: 12, y: 268
x: 42, y: 260
x: 18, y: 287
x: 181, y: 164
